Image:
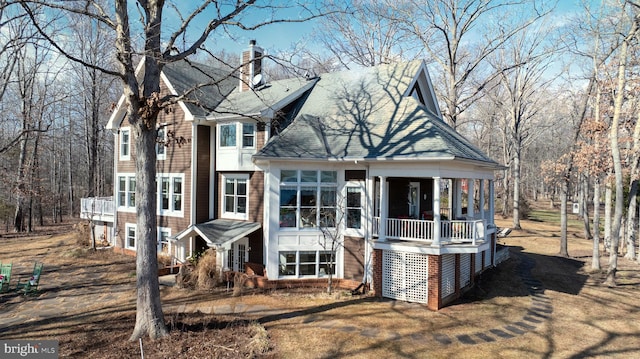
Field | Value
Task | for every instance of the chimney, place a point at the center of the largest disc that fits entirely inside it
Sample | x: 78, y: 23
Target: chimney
x: 251, y: 66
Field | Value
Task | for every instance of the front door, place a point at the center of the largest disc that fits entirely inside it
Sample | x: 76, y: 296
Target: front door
x: 414, y: 200
x: 237, y: 255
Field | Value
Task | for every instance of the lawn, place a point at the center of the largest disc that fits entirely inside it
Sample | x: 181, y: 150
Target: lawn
x: 87, y: 303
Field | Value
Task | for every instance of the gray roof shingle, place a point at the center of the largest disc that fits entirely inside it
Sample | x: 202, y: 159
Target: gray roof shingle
x: 365, y: 115
x: 185, y: 75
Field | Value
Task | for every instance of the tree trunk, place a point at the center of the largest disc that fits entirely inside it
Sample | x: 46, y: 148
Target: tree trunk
x: 516, y: 187
x: 608, y: 205
x: 615, y: 154
x: 595, y: 259
x: 149, y: 316
x: 564, y: 251
x: 584, y: 205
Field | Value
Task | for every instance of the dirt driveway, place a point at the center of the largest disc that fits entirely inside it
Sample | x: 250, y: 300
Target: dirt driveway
x: 535, y: 305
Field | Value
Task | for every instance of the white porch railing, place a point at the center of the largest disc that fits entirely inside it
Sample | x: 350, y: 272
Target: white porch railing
x: 101, y: 208
x: 459, y: 231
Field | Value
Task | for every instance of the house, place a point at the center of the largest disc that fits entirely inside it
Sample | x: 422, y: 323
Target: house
x: 279, y: 170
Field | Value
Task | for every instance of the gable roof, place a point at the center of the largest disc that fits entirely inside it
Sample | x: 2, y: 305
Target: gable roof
x: 185, y: 75
x: 368, y: 115
x: 182, y: 76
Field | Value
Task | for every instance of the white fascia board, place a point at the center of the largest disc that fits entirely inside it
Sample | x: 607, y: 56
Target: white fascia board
x: 115, y: 120
x: 188, y: 116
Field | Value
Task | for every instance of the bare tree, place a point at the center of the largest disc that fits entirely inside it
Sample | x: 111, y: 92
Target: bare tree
x: 143, y: 99
x: 618, y: 100
x: 445, y: 29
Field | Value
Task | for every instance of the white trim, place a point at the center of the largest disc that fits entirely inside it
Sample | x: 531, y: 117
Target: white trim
x: 188, y: 116
x: 170, y: 212
x: 124, y: 208
x: 126, y: 157
x: 194, y: 171
x: 162, y: 127
x: 159, y: 230
x: 127, y: 227
x: 235, y: 214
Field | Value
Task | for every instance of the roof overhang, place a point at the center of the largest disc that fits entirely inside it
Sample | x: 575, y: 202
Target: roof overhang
x: 219, y: 232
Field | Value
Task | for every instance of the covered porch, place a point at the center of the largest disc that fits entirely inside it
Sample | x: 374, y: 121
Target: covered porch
x: 433, y: 211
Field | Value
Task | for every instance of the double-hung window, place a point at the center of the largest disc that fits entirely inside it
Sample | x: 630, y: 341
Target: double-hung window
x: 130, y: 232
x: 127, y: 191
x: 354, y: 207
x: 248, y: 135
x: 236, y: 196
x: 170, y: 192
x: 125, y: 144
x: 308, y: 198
x: 161, y: 143
x: 163, y: 240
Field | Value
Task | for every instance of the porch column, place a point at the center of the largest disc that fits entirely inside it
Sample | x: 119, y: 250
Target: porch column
x: 384, y: 209
x: 470, y: 195
x: 436, y: 212
x: 457, y: 202
x: 370, y: 186
x: 481, y: 205
x: 492, y: 202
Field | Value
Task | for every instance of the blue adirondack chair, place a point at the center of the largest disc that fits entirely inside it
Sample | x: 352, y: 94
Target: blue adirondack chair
x: 31, y: 284
x: 5, y: 276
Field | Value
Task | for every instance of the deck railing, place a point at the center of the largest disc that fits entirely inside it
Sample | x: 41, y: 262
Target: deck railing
x: 458, y: 231
x: 97, y: 207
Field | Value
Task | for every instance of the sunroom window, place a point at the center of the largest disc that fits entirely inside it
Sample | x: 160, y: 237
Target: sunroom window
x: 307, y: 198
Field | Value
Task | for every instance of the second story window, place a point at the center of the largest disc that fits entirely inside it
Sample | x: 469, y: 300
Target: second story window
x: 125, y: 144
x: 161, y: 147
x: 228, y: 135
x: 248, y: 135
x: 170, y: 194
x: 127, y: 191
x: 235, y: 196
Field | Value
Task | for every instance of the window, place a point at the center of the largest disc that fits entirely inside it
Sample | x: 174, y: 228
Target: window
x: 125, y: 144
x: 354, y: 207
x: 161, y: 143
x: 307, y: 198
x: 163, y: 240
x: 130, y: 240
x: 127, y: 191
x: 248, y: 135
x: 169, y: 193
x: 306, y: 263
x: 235, y: 196
x: 228, y: 135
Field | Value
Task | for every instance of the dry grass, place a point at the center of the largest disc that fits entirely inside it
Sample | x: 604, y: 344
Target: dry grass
x: 94, y: 292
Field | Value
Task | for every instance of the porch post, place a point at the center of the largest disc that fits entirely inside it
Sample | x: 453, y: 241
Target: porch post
x: 370, y: 186
x: 481, y: 205
x: 436, y: 212
x: 384, y: 209
x: 470, y: 195
x: 457, y: 202
x: 492, y: 202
